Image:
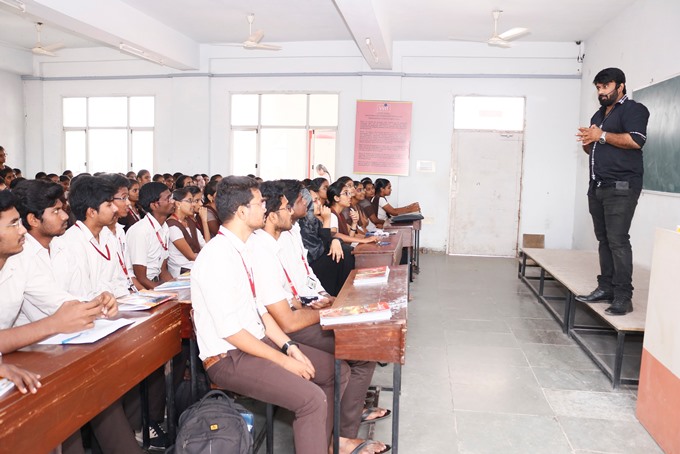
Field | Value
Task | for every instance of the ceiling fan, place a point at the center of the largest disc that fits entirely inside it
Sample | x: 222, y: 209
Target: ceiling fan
x: 39, y: 49
x: 502, y: 39
x: 253, y: 41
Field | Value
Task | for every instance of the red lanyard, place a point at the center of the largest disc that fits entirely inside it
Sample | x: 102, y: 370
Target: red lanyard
x: 250, y: 276
x: 292, y: 287
x: 134, y: 215
x: 108, y: 253
x: 163, y: 245
x: 304, y: 262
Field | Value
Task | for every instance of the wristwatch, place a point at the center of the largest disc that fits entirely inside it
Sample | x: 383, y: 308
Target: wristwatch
x: 287, y: 345
x: 603, y: 138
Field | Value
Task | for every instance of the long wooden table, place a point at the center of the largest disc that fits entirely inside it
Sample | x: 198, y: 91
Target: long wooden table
x: 413, y: 241
x: 381, y: 341
x: 369, y: 255
x: 79, y: 381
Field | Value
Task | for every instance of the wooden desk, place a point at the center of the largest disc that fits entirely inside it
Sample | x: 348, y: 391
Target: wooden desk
x: 415, y: 226
x: 381, y: 341
x: 79, y: 381
x: 370, y: 255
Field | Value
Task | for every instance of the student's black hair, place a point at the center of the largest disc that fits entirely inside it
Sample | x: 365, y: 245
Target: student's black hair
x: 313, y: 187
x: 150, y: 193
x: 167, y: 175
x: 205, y: 176
x: 334, y: 191
x: 233, y: 192
x: 5, y: 171
x: 40, y: 175
x: 89, y: 192
x: 357, y: 183
x: 119, y: 181
x: 133, y: 182
x: 179, y: 194
x: 35, y: 196
x: 273, y: 191
x: 210, y: 189
x: 306, y: 182
x: 158, y: 178
x: 181, y: 181
x: 380, y: 184
x: 142, y: 172
x: 7, y: 200
x: 67, y: 172
x: 611, y: 75
x: 344, y: 179
x: 319, y: 181
x: 176, y: 175
x: 63, y: 178
x: 52, y: 175
x: 215, y: 177
x: 17, y: 170
x: 16, y: 181
x: 366, y: 180
x: 291, y: 189
x: 193, y: 190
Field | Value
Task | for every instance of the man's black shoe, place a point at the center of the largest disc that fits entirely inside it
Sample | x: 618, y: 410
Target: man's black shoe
x: 596, y: 296
x: 620, y: 306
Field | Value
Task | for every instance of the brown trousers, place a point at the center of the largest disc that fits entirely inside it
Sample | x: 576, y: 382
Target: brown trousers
x: 361, y: 373
x: 311, y: 401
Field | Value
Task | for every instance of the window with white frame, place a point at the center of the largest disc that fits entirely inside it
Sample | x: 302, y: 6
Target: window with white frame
x: 108, y: 134
x: 275, y: 135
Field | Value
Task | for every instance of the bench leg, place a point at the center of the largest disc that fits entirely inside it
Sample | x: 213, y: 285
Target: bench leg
x: 336, y: 408
x: 396, y: 394
x: 568, y: 302
x: 618, y: 359
x: 170, y: 399
x: 270, y: 428
x: 541, y: 283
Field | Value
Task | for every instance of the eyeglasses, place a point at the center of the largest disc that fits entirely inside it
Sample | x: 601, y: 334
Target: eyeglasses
x: 263, y: 204
x: 124, y: 198
x: 286, y: 208
x: 360, y: 190
x: 16, y: 224
x: 191, y: 201
x: 346, y: 193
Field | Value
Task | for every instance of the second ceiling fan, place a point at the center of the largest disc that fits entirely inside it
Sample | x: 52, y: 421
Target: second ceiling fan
x: 501, y: 39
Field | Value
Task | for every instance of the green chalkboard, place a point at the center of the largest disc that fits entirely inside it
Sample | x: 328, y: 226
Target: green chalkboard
x: 662, y: 149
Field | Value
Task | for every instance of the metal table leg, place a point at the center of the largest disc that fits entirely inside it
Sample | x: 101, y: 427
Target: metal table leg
x: 170, y: 398
x: 336, y: 407
x: 618, y: 358
x: 396, y: 394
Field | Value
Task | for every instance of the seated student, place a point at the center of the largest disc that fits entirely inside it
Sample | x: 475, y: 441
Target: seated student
x: 209, y: 204
x: 322, y: 184
x: 134, y: 210
x: 148, y: 239
x: 329, y: 258
x: 23, y: 380
x: 186, y: 241
x: 200, y: 215
x: 356, y: 204
x: 144, y: 177
x: 158, y: 178
x: 7, y: 175
x: 242, y: 347
x: 365, y: 205
x: 383, y: 188
x: 121, y: 200
x: 17, y: 172
x: 338, y: 199
x: 279, y: 294
x: 94, y: 266
x: 27, y: 285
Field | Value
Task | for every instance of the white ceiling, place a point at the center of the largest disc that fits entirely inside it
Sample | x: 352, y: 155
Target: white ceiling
x: 161, y: 27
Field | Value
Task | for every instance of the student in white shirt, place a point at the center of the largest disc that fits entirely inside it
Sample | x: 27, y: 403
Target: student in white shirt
x: 148, y: 239
x: 186, y: 239
x: 121, y: 199
x: 299, y: 321
x: 242, y: 347
x: 90, y: 242
x: 23, y: 277
x: 383, y: 209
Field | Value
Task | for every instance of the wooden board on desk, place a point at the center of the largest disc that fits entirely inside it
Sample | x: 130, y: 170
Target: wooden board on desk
x: 380, y: 341
x: 79, y: 381
x: 370, y: 255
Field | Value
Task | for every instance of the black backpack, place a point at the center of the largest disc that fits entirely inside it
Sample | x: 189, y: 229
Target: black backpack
x: 215, y: 424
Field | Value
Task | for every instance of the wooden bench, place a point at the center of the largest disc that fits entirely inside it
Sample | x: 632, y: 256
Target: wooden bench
x: 576, y: 272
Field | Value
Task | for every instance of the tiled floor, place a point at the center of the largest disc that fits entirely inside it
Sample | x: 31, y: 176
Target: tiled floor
x: 489, y: 371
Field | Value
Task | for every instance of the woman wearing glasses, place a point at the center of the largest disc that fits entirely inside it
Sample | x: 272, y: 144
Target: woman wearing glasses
x: 340, y: 198
x: 186, y: 240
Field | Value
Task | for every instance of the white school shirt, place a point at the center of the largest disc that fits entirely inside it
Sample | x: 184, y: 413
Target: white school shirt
x: 382, y: 214
x: 123, y: 254
x: 221, y: 295
x: 177, y: 260
x: 44, y: 263
x: 294, y: 254
x: 18, y: 277
x: 96, y: 261
x: 270, y: 280
x: 148, y: 245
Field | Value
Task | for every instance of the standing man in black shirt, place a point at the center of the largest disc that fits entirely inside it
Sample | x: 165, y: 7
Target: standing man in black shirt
x: 614, y: 141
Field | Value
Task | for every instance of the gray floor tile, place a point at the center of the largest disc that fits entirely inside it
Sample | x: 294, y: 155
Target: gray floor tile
x: 575, y: 379
x: 480, y: 433
x: 425, y: 433
x: 594, y: 405
x: 422, y: 392
x: 426, y: 361
x: 532, y: 323
x: 472, y: 356
x: 477, y: 326
x: 480, y: 339
x: 608, y: 436
x: 542, y: 336
x: 557, y: 356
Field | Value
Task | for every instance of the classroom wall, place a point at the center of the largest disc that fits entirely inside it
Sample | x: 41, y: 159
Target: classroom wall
x: 192, y: 111
x: 641, y: 41
x: 12, y: 118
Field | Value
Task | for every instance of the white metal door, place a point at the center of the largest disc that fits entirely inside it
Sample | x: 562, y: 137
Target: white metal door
x: 485, y: 193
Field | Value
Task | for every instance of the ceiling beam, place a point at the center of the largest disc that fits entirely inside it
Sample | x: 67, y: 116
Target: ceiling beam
x: 114, y: 22
x: 368, y: 28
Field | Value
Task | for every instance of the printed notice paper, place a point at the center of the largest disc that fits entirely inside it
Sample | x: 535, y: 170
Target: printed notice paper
x: 102, y: 328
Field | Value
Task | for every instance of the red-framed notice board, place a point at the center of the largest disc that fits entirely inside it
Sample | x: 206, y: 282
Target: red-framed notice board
x: 382, y: 140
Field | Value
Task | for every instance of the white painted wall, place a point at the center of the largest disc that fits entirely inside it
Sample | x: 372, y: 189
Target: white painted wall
x: 645, y: 55
x: 12, y: 118
x: 192, y: 112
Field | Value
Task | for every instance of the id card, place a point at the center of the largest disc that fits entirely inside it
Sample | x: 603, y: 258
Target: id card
x: 311, y: 283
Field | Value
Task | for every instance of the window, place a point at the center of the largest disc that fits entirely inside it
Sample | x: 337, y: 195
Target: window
x: 108, y: 134
x: 278, y: 135
x: 488, y: 113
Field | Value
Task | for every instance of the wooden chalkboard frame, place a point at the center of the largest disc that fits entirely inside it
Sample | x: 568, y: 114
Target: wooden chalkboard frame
x: 662, y: 149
